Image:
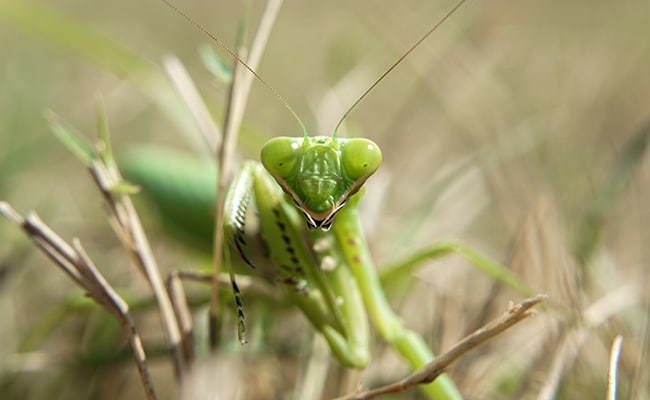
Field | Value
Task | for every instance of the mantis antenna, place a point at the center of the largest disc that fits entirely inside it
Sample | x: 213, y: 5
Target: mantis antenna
x: 397, y: 62
x: 239, y: 60
x: 277, y: 94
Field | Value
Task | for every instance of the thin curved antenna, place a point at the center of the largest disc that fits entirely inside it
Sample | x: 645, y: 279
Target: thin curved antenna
x: 396, y: 63
x: 239, y: 60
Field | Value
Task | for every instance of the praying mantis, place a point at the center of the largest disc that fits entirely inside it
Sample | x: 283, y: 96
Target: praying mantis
x: 305, y: 194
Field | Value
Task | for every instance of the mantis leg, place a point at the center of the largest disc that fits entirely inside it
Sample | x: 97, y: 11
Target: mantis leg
x: 408, y: 343
x: 329, y: 299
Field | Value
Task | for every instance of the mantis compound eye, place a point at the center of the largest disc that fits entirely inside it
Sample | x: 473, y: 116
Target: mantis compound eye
x: 280, y: 156
x: 360, y: 158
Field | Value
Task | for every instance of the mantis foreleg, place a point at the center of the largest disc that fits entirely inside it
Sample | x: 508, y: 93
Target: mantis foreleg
x: 409, y: 344
x: 330, y: 299
x: 329, y: 283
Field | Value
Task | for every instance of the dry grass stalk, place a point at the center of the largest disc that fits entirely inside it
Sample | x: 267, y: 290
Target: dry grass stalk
x: 612, y: 377
x: 129, y: 230
x: 594, y: 316
x: 235, y: 107
x: 76, y: 263
x: 435, y: 368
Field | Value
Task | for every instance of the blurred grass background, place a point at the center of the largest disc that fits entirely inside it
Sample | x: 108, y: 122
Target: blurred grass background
x: 519, y: 128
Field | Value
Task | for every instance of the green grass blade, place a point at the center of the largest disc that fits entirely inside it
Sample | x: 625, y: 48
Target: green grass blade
x: 215, y: 64
x: 106, y: 151
x: 72, y: 140
x: 404, y: 268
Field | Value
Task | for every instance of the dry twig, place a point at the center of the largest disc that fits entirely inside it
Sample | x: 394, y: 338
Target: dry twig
x: 250, y: 284
x: 436, y: 367
x: 192, y: 98
x: 129, y: 230
x: 76, y: 263
x: 236, y: 104
x: 613, y: 367
x: 575, y: 337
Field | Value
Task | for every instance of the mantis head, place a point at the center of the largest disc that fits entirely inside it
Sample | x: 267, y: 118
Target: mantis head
x: 320, y: 173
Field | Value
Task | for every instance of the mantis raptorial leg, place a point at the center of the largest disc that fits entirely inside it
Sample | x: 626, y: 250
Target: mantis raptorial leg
x: 327, y: 273
x: 334, y: 297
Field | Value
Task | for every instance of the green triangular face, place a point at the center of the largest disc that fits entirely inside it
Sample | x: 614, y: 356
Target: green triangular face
x: 320, y: 173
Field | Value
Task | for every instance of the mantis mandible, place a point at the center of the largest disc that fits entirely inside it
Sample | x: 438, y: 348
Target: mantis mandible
x: 306, y: 193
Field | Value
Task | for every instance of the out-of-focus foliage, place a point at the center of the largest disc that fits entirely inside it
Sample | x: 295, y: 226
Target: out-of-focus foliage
x: 518, y: 129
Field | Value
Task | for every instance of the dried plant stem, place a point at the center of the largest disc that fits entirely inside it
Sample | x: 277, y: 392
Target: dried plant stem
x: 247, y: 283
x: 76, y: 263
x: 435, y: 368
x: 252, y: 285
x: 311, y: 384
x: 613, y: 367
x: 235, y: 107
x: 192, y: 98
x: 573, y: 340
x: 183, y: 315
x: 129, y: 230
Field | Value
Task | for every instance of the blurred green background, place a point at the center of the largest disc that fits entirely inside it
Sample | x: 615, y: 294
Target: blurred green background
x: 519, y: 128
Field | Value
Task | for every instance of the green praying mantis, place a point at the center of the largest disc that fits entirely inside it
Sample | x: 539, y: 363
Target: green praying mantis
x: 305, y: 194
